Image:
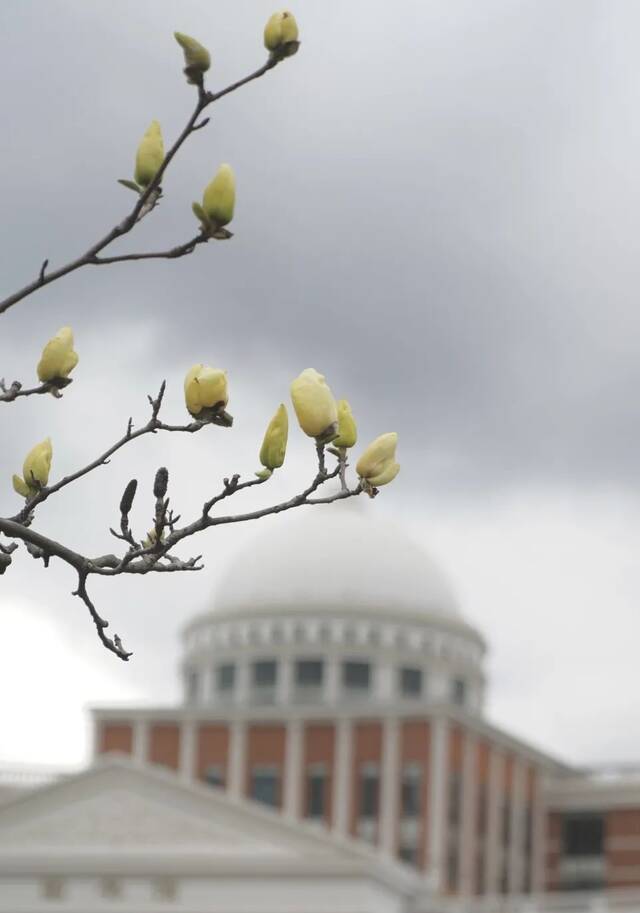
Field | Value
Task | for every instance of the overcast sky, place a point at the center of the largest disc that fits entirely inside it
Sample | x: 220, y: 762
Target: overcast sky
x: 438, y: 208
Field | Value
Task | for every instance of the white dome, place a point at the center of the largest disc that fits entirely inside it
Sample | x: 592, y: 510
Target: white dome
x: 343, y: 557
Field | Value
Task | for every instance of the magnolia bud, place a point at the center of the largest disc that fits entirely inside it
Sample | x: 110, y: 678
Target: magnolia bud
x: 218, y: 200
x: 205, y: 388
x: 274, y: 445
x: 126, y: 501
x: 347, y: 431
x: 377, y: 464
x: 35, y: 469
x: 58, y: 358
x: 315, y: 406
x: 161, y: 482
x: 150, y: 155
x: 196, y: 58
x: 151, y: 539
x: 281, y: 34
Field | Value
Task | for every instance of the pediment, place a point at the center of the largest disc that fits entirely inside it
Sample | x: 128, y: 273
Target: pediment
x: 120, y: 818
x: 117, y: 807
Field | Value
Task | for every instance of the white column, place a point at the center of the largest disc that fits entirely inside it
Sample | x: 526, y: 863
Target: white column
x: 285, y: 676
x: 237, y: 759
x: 516, y: 829
x: 341, y: 804
x: 293, y: 769
x: 332, y: 682
x: 438, y: 786
x: 187, y: 749
x: 384, y: 681
x: 468, y: 828
x: 389, y: 787
x: 539, y: 836
x: 493, y: 838
x: 242, y: 681
x: 140, y: 740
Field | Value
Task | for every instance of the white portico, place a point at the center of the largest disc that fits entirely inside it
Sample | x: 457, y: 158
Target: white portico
x: 118, y: 838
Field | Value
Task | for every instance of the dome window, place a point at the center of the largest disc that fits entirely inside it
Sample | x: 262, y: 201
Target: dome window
x: 309, y: 673
x: 356, y: 675
x: 459, y: 691
x: 264, y: 676
x: 410, y: 681
x: 225, y: 678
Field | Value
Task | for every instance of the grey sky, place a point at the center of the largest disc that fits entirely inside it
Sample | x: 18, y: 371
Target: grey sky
x: 436, y: 208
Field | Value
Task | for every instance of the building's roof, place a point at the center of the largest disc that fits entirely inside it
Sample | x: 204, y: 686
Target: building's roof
x: 117, y: 816
x: 343, y: 557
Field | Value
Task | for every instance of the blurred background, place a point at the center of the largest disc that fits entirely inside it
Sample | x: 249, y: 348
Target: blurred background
x: 436, y: 209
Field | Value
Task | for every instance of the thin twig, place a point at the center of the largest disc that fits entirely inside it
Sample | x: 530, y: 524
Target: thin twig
x: 14, y: 390
x: 145, y: 202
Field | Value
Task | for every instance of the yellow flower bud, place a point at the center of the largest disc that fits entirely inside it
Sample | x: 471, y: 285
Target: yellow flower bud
x: 196, y: 57
x: 150, y: 155
x: 218, y: 200
x: 347, y: 431
x: 151, y: 538
x: 281, y: 31
x: 377, y: 464
x: 274, y: 445
x: 205, y: 388
x: 58, y: 358
x: 22, y: 488
x: 35, y: 469
x: 315, y: 406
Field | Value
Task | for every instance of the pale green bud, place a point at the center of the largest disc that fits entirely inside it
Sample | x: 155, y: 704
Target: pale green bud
x: 218, y: 200
x: 204, y: 388
x: 347, y: 431
x: 35, y: 470
x: 150, y: 155
x: 274, y: 445
x: 315, y: 406
x: 58, y: 358
x: 377, y: 464
x: 281, y: 34
x: 196, y: 57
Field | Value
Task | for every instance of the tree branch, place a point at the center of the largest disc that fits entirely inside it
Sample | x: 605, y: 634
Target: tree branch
x: 145, y: 203
x: 152, y: 426
x: 155, y: 556
x: 14, y: 390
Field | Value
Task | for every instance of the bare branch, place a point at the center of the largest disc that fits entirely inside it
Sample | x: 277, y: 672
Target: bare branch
x: 14, y: 390
x: 145, y: 203
x: 154, y: 424
x: 155, y: 557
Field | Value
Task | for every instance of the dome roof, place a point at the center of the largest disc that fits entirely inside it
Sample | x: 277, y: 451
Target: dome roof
x: 343, y: 557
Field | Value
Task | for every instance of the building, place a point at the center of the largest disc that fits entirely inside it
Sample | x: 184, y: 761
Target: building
x: 331, y: 754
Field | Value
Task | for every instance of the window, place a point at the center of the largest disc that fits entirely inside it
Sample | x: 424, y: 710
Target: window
x: 214, y: 775
x: 409, y: 854
x: 455, y: 788
x: 459, y: 691
x: 265, y: 785
x: 356, y: 675
x: 369, y: 789
x: 410, y: 791
x: 316, y: 791
x: 506, y: 822
x: 53, y: 888
x: 410, y: 682
x: 265, y: 673
x: 583, y: 835
x: 192, y: 684
x: 226, y: 677
x: 309, y: 673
